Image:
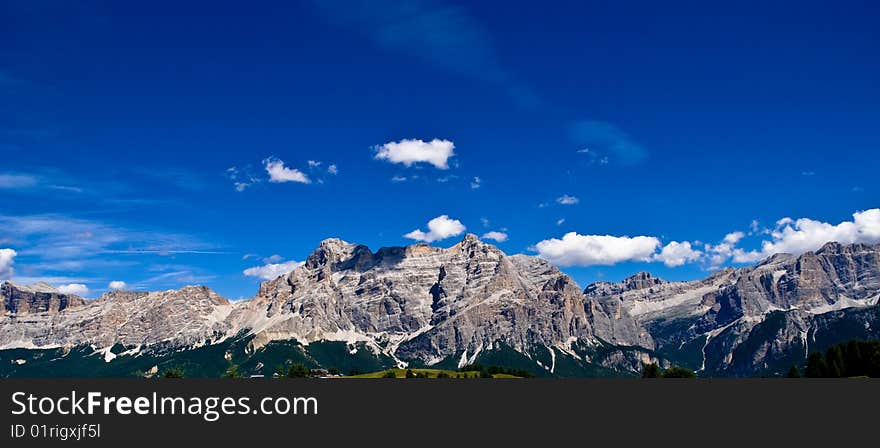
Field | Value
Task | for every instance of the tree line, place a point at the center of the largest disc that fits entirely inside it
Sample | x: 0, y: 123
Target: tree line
x: 845, y: 360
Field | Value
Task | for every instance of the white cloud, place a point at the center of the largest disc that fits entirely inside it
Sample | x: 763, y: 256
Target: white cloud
x: 476, y: 183
x: 333, y: 169
x: 14, y: 181
x: 411, y: 151
x: 74, y: 288
x: 439, y: 228
x: 589, y: 250
x: 560, y: 221
x: 314, y: 163
x: 567, y: 200
x: 7, y: 259
x: 279, y: 173
x: 485, y: 221
x: 719, y: 253
x: 804, y: 235
x: 733, y: 237
x: 676, y: 254
x: 117, y: 284
x: 398, y: 179
x: 271, y: 271
x: 495, y: 235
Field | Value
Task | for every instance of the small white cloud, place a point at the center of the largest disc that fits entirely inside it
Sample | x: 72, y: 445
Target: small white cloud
x: 117, y: 284
x: 7, y: 259
x: 560, y: 221
x: 273, y: 259
x: 439, y: 228
x: 333, y: 169
x: 676, y: 254
x: 74, y: 288
x: 589, y: 250
x: 314, y: 163
x: 495, y: 235
x: 476, y: 183
x: 567, y: 200
x: 272, y: 270
x: 485, y: 222
x: 808, y: 173
x: 241, y: 179
x: 733, y: 237
x: 279, y: 173
x: 411, y: 151
x: 396, y: 179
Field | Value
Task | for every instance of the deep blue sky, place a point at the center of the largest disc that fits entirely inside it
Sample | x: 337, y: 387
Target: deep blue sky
x: 119, y: 122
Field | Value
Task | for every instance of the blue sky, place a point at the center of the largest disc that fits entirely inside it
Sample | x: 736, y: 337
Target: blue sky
x: 137, y: 140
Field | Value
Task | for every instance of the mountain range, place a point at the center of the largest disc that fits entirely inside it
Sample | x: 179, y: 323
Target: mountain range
x: 353, y: 309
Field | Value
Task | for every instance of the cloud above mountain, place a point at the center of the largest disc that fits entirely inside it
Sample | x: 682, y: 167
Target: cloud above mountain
x: 495, y: 235
x: 439, y: 228
x: 797, y: 236
x: 574, y: 249
x: 7, y: 259
x: 677, y: 254
x: 409, y: 152
x: 270, y: 271
x: 79, y: 289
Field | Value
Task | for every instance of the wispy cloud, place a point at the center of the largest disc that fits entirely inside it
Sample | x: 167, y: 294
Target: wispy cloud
x: 17, y: 181
x: 568, y: 200
x: 242, y: 178
x: 602, y: 139
x: 439, y: 34
x: 59, y: 237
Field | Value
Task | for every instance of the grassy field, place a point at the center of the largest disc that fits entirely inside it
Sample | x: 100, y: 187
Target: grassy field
x: 432, y: 373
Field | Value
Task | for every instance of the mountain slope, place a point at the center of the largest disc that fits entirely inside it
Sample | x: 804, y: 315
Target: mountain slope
x: 349, y: 307
x: 757, y: 319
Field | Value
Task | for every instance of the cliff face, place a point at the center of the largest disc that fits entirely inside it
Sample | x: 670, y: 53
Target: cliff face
x: 34, y: 299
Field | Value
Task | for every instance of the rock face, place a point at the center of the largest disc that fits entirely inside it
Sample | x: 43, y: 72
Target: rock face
x: 427, y: 305
x: 746, y: 319
x: 38, y: 298
x: 185, y: 317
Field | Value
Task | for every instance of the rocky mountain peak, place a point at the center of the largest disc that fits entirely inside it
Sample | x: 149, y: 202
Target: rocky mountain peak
x: 642, y: 280
x: 332, y: 251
